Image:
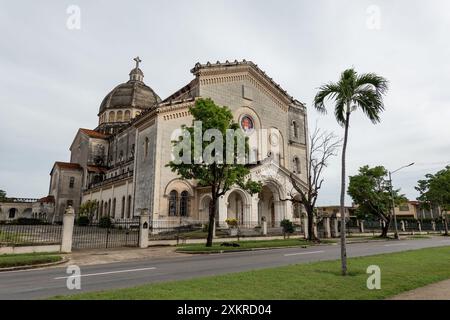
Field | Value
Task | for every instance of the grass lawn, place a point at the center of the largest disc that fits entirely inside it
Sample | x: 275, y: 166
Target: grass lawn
x: 16, y: 260
x: 247, y: 244
x: 319, y: 280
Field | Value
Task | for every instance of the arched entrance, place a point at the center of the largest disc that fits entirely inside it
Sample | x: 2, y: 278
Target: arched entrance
x: 270, y: 208
x: 236, y: 206
x: 206, y: 208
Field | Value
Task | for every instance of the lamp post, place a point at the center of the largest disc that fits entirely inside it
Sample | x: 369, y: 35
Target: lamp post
x: 392, y: 198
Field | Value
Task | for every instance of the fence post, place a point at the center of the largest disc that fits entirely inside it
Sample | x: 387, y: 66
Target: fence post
x: 326, y: 223
x: 67, y: 230
x: 335, y: 227
x: 433, y: 225
x: 264, y: 228
x: 361, y: 226
x: 305, y: 226
x: 144, y: 223
x: 419, y: 225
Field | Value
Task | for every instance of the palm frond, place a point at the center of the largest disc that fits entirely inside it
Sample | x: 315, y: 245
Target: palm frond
x: 370, y: 102
x: 328, y: 91
x: 378, y: 82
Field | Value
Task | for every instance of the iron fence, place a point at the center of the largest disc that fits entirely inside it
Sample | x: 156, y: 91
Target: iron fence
x: 24, y: 235
x: 118, y: 233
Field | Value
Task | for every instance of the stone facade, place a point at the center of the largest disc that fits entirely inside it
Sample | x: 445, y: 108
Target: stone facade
x: 122, y: 163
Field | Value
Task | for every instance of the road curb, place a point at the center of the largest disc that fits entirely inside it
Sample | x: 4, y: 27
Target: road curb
x: 35, y: 266
x: 251, y: 249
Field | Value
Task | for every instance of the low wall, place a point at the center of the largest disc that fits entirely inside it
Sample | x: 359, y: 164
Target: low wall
x: 30, y: 249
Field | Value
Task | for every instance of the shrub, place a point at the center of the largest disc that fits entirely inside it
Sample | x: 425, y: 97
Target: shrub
x: 287, y: 225
x: 105, y: 222
x: 28, y: 221
x: 83, y: 221
x: 232, y: 222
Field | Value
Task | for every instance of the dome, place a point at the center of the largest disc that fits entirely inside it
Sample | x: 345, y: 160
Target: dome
x: 132, y: 94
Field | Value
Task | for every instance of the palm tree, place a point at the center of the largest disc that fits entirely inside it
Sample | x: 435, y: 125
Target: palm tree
x: 350, y: 93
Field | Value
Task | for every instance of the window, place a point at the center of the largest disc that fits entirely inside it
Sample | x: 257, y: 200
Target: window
x: 296, y: 165
x: 173, y: 195
x: 114, y: 208
x: 119, y: 116
x: 71, y: 182
x: 12, y: 213
x: 112, y: 116
x: 129, y: 207
x: 146, y: 144
x: 127, y: 115
x: 404, y: 207
x: 122, y: 211
x: 69, y: 203
x: 184, y: 201
x: 295, y: 129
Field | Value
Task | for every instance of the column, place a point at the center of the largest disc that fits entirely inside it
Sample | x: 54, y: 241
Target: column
x: 222, y: 211
x: 335, y: 227
x: 254, y: 218
x: 67, y: 230
x: 144, y: 223
x: 361, y: 226
x: 402, y: 225
x: 326, y: 223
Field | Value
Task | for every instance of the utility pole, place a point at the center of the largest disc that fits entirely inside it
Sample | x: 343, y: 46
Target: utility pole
x: 392, y: 199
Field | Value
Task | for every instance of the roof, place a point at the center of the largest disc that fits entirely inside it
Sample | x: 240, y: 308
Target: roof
x: 68, y: 165
x: 96, y: 169
x: 93, y: 133
x: 47, y: 199
x: 131, y: 94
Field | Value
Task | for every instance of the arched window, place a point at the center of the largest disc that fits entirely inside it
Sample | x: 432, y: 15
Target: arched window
x: 119, y: 116
x: 127, y: 115
x: 12, y: 213
x: 296, y: 165
x: 113, y: 213
x: 184, y: 204
x: 112, y: 116
x: 129, y: 207
x: 294, y: 129
x: 109, y: 208
x: 173, y: 196
x: 122, y: 208
x: 146, y: 145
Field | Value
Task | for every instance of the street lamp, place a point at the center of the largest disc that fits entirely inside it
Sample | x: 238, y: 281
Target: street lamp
x: 392, y: 198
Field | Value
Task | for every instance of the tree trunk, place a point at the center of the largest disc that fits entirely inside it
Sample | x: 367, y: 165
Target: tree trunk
x: 212, y: 216
x: 343, y: 229
x: 310, y: 216
x: 385, y: 229
x: 445, y: 223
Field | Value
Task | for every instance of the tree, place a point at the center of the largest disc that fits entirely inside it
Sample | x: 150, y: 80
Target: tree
x: 2, y: 195
x: 212, y: 162
x: 371, y: 191
x: 88, y: 209
x: 435, y: 191
x: 322, y: 146
x: 350, y: 93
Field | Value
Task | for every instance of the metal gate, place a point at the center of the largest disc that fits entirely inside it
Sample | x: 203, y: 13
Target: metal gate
x: 103, y: 234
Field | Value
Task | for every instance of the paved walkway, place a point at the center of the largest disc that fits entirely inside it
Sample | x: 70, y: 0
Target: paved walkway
x: 435, y: 291
x: 103, y: 256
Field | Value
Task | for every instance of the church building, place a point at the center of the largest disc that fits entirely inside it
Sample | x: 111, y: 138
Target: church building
x: 121, y: 164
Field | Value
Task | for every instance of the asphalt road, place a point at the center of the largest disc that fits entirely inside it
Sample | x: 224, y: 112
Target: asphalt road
x: 43, y: 283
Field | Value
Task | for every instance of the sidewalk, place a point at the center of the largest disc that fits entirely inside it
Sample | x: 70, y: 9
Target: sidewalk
x: 102, y: 256
x: 435, y: 291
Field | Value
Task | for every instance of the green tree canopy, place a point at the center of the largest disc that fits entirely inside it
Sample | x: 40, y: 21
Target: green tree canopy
x: 370, y: 191
x: 2, y: 195
x: 205, y: 157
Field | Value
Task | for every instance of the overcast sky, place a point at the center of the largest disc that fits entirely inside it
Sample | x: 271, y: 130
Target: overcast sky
x: 53, y: 78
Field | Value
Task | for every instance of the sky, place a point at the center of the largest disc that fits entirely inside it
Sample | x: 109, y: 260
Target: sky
x: 58, y: 59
